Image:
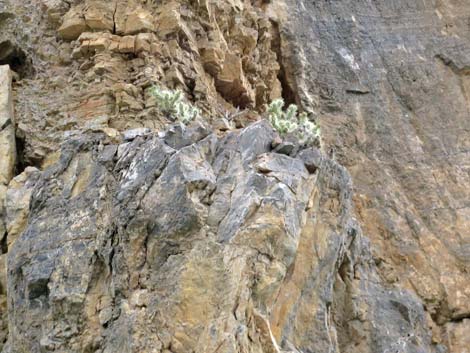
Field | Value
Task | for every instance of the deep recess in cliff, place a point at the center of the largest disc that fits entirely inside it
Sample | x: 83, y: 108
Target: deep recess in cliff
x: 123, y: 231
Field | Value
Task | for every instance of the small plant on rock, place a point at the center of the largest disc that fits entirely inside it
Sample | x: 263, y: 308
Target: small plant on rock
x: 308, y: 132
x: 172, y: 102
x: 291, y: 122
x: 283, y: 122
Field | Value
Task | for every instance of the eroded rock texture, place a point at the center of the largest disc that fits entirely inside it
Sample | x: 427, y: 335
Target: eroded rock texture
x: 390, y: 83
x: 196, y: 243
x: 122, y: 231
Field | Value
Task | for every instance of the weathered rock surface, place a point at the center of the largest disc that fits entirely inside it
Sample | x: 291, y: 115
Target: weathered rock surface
x: 3, y: 300
x: 389, y: 80
x: 124, y: 238
x: 7, y: 170
x: 16, y: 203
x: 7, y: 127
x: 210, y: 245
x: 221, y: 54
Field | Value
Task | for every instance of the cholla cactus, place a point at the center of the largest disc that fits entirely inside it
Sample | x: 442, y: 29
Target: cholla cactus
x: 308, y: 131
x: 290, y: 121
x: 186, y: 112
x: 171, y: 102
x: 283, y: 122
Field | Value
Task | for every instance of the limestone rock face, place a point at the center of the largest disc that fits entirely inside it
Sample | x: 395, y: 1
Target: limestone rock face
x: 121, y: 231
x: 7, y: 127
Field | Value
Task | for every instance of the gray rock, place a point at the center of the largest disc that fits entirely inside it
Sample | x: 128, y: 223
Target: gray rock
x: 179, y: 135
x: 133, y: 133
x: 142, y: 240
x: 285, y: 147
x: 238, y: 248
x: 312, y: 159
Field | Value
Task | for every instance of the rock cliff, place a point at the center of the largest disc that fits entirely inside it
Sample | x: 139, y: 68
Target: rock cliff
x: 122, y: 230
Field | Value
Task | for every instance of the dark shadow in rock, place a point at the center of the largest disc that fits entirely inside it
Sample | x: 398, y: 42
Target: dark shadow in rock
x: 38, y: 288
x: 285, y: 78
x: 3, y: 244
x: 14, y: 56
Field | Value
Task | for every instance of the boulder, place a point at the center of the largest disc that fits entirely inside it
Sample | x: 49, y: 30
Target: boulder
x: 312, y: 158
x: 169, y: 20
x: 99, y: 16
x: 127, y: 44
x: 73, y: 24
x: 17, y: 202
x: 139, y: 20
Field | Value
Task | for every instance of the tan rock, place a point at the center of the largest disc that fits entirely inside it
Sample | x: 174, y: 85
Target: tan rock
x: 17, y: 203
x: 139, y: 20
x: 120, y: 15
x: 127, y: 44
x: 78, y: 174
x: 3, y: 274
x: 127, y: 97
x: 169, y: 20
x: 50, y: 159
x: 144, y: 41
x: 245, y: 37
x: 125, y: 101
x: 99, y: 15
x: 95, y: 42
x: 73, y: 24
x: 100, y: 44
x: 106, y: 63
x: 232, y: 83
x: 174, y: 50
x: 174, y: 78
x: 156, y: 48
x: 6, y: 111
x: 3, y: 228
x: 90, y: 36
x: 54, y: 9
x: 94, y: 106
x: 7, y: 155
x: 140, y: 298
x: 458, y: 338
x: 213, y: 59
x: 114, y: 45
x: 7, y: 130
x: 113, y: 134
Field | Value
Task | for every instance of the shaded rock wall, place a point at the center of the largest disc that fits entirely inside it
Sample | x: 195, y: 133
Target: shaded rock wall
x: 390, y: 83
